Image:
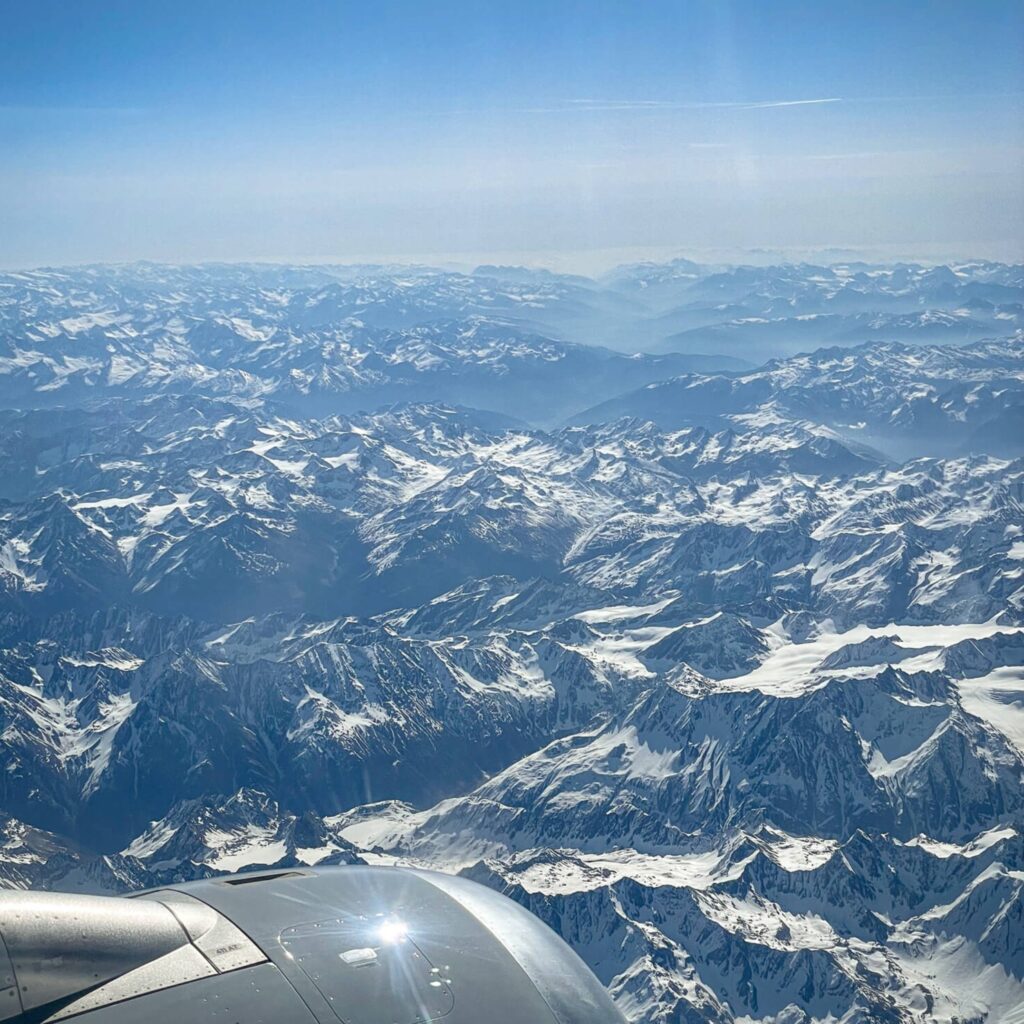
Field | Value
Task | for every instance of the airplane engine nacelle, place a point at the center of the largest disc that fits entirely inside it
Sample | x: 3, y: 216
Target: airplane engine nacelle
x: 355, y: 945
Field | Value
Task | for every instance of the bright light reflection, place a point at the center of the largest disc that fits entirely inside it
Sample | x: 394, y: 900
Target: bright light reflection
x: 391, y: 932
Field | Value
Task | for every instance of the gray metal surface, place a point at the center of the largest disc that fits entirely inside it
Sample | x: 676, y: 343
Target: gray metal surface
x: 176, y: 968
x: 336, y: 911
x: 564, y: 981
x: 10, y: 1003
x: 60, y: 945
x: 226, y: 948
x: 339, y: 945
x: 366, y: 980
x: 256, y: 995
x: 67, y: 954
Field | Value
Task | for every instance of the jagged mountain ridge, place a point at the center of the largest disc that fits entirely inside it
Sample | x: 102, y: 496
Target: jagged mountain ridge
x: 733, y: 701
x: 904, y: 400
x: 311, y: 342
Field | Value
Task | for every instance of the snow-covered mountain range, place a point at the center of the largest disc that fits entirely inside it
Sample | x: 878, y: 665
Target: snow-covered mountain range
x: 718, y: 668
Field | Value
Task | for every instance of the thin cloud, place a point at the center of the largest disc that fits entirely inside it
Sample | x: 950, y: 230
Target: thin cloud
x: 790, y: 103
x: 601, y: 106
x: 624, y: 104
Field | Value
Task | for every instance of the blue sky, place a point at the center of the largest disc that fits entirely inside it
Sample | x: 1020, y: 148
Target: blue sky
x: 562, y: 133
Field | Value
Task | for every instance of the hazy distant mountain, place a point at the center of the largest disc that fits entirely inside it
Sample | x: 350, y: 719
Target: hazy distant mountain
x: 149, y: 314
x: 900, y: 399
x: 70, y: 337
